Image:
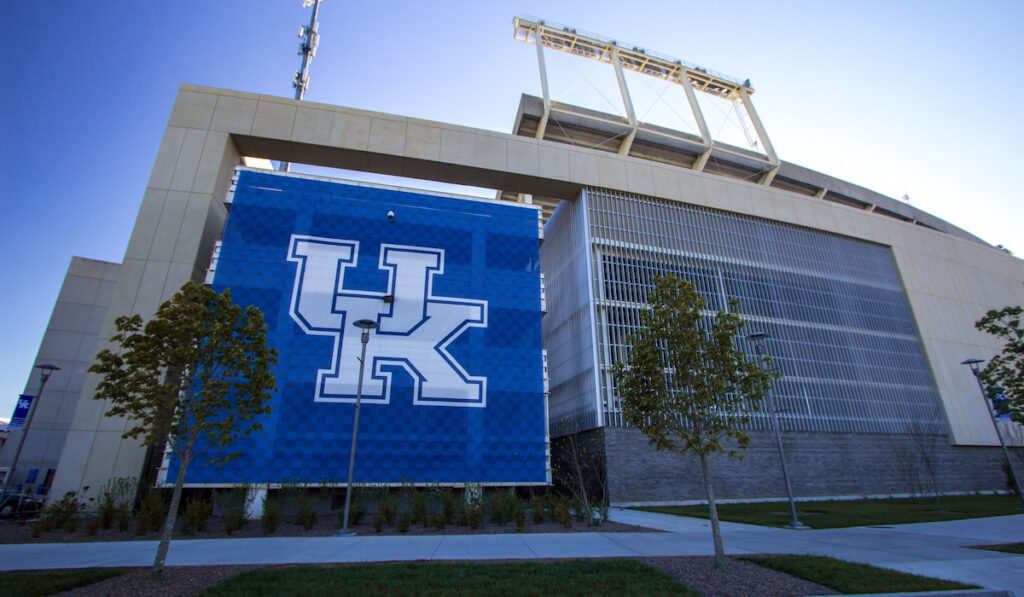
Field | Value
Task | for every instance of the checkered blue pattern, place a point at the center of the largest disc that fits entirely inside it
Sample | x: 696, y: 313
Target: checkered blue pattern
x: 491, y: 253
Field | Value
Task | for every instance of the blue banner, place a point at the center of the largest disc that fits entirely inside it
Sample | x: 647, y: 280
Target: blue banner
x: 453, y: 388
x: 20, y: 412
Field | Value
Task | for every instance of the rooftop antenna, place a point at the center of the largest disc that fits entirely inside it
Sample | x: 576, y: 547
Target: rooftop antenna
x: 307, y: 49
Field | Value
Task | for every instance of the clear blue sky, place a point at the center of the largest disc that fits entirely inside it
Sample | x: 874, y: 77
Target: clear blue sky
x: 919, y: 98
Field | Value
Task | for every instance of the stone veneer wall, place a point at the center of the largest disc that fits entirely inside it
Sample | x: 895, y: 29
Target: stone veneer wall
x: 819, y: 464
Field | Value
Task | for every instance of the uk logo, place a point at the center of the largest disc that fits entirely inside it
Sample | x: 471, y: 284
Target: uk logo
x: 415, y: 328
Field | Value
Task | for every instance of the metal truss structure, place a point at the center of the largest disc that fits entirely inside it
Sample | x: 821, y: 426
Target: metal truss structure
x: 764, y: 164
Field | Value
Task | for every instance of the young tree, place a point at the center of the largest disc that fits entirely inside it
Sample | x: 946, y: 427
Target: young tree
x: 686, y: 386
x: 196, y: 376
x: 1007, y: 368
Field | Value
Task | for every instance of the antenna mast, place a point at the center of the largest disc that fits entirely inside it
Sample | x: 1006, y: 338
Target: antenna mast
x: 307, y: 49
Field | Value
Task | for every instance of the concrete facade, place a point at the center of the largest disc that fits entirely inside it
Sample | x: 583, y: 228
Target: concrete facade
x: 68, y: 343
x: 950, y: 281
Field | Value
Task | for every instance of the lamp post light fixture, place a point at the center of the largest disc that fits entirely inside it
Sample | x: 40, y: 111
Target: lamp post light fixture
x: 366, y: 325
x: 975, y: 365
x: 45, y: 370
x: 758, y: 338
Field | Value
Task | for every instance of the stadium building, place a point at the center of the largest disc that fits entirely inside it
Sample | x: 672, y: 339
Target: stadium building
x: 869, y: 304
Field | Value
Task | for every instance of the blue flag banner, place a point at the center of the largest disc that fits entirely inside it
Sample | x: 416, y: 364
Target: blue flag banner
x: 20, y: 412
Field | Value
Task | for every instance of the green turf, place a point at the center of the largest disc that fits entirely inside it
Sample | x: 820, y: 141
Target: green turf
x: 579, y: 577
x: 851, y: 513
x: 851, y: 578
x: 33, y: 583
x: 1005, y: 548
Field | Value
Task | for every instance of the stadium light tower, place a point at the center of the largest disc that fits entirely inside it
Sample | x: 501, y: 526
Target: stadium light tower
x: 307, y: 49
x: 974, y: 364
x: 366, y: 325
x: 758, y: 339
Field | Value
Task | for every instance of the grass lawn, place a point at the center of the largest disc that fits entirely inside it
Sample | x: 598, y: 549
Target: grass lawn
x: 578, y: 577
x: 851, y: 578
x: 851, y: 513
x: 1005, y: 548
x: 33, y: 583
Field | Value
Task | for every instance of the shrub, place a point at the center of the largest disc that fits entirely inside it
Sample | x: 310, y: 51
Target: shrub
x: 473, y: 508
x: 62, y: 514
x: 306, y: 517
x: 502, y: 506
x: 271, y: 516
x: 388, y: 510
x: 404, y: 521
x: 303, y: 504
x: 449, y: 506
x: 563, y: 512
x: 356, y: 512
x: 197, y: 512
x: 418, y: 508
x: 537, y: 507
x: 518, y: 514
x: 152, y: 513
x: 115, y: 503
x: 379, y: 520
x: 232, y: 505
x: 577, y: 508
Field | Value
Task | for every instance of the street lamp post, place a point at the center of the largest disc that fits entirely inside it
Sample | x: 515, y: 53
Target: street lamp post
x: 366, y: 325
x: 758, y: 339
x: 45, y: 370
x: 974, y: 365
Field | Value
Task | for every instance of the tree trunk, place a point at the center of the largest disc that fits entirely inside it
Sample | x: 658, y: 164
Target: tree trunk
x: 716, y: 532
x: 172, y: 516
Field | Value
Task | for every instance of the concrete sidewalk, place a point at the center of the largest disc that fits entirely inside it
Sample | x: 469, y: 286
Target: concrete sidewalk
x: 931, y: 549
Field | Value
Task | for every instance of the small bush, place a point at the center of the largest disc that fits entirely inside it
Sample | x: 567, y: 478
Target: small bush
x: 356, y: 512
x: 62, y: 514
x: 449, y: 506
x: 388, y: 510
x: 438, y: 521
x: 152, y: 513
x: 379, y: 520
x: 563, y: 512
x: 404, y: 521
x: 271, y: 515
x: 518, y: 514
x: 197, y: 512
x: 473, y: 511
x: 115, y: 503
x: 232, y: 505
x: 537, y: 507
x: 303, y: 504
x: 473, y: 508
x: 577, y: 508
x: 502, y: 506
x: 123, y: 517
x: 92, y: 526
x: 418, y: 507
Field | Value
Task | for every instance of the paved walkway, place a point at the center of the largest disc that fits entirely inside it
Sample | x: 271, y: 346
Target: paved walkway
x: 933, y: 549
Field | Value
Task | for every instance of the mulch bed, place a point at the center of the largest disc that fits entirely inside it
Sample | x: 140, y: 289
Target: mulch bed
x: 327, y: 525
